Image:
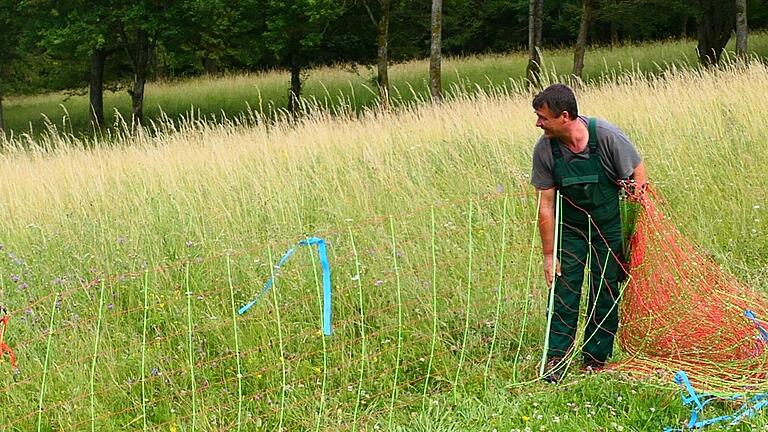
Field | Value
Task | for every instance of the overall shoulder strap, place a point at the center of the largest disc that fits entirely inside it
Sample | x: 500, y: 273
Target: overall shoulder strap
x: 557, y: 153
x: 592, y: 127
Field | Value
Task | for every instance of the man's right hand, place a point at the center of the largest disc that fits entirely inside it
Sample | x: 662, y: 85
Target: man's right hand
x: 548, y: 268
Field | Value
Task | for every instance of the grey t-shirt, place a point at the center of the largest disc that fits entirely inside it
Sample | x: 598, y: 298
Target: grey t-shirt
x: 618, y: 155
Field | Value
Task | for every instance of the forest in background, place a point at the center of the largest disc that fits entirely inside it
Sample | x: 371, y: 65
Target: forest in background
x: 88, y: 47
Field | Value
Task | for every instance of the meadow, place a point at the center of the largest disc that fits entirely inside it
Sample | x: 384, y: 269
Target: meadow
x: 125, y: 259
x: 343, y: 87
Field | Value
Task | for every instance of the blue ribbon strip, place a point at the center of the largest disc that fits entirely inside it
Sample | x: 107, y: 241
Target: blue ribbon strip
x: 322, y: 253
x: 763, y: 333
x: 748, y: 409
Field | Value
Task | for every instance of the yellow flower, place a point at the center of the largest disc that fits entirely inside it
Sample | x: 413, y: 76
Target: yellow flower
x: 526, y: 418
x: 173, y: 428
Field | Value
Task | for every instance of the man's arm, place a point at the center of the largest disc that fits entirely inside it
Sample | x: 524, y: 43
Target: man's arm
x: 639, y: 175
x: 547, y: 231
x: 638, y: 182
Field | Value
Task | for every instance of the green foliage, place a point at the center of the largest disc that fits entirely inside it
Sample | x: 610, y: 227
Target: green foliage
x: 294, y: 30
x: 10, y: 51
x: 198, y: 36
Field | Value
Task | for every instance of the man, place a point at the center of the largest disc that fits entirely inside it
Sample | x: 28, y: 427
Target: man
x: 587, y: 161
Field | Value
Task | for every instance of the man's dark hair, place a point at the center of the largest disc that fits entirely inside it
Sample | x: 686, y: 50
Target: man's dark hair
x: 558, y: 98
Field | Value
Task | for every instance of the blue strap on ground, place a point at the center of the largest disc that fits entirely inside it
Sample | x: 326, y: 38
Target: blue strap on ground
x: 763, y: 333
x: 322, y: 253
x: 699, y: 401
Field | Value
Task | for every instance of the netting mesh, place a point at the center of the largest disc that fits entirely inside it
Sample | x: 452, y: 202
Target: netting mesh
x: 436, y: 301
x: 682, y: 311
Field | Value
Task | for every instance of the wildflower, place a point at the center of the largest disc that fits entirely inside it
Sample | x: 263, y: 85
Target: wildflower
x: 23, y: 285
x: 499, y: 188
x: 15, y: 278
x: 121, y: 240
x: 110, y: 306
x: 378, y: 282
x: 189, y: 243
x: 154, y: 372
x: 526, y: 418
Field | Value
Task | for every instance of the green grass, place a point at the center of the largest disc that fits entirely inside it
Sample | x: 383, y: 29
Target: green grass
x: 205, y: 210
x: 343, y: 88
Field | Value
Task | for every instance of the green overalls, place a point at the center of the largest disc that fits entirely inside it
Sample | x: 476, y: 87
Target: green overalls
x: 586, y: 190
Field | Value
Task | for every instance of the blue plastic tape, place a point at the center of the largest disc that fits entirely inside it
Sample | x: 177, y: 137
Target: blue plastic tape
x: 322, y: 253
x: 763, y: 333
x: 699, y: 401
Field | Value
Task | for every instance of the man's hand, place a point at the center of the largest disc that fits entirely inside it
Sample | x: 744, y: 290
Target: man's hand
x: 635, y: 191
x: 637, y: 184
x: 548, y: 268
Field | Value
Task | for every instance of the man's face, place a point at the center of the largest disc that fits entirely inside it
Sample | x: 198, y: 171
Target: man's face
x: 552, y: 124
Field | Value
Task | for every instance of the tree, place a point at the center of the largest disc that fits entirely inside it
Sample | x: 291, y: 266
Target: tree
x: 382, y: 42
x: 99, y: 30
x: 587, y: 7
x: 11, y: 53
x: 79, y: 29
x: 140, y: 25
x: 535, y: 25
x: 294, y: 33
x: 715, y: 21
x: 741, y: 28
x: 435, y: 52
x: 208, y: 39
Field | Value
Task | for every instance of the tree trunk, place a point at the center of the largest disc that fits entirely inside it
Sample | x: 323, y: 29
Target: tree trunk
x: 741, y: 28
x: 141, y: 57
x: 435, y: 85
x: 2, y: 119
x: 715, y: 22
x: 96, y: 91
x: 295, y: 92
x: 535, y: 20
x: 210, y: 66
x: 383, y: 55
x: 581, y: 40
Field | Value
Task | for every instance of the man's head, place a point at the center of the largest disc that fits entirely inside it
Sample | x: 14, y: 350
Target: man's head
x: 555, y: 107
